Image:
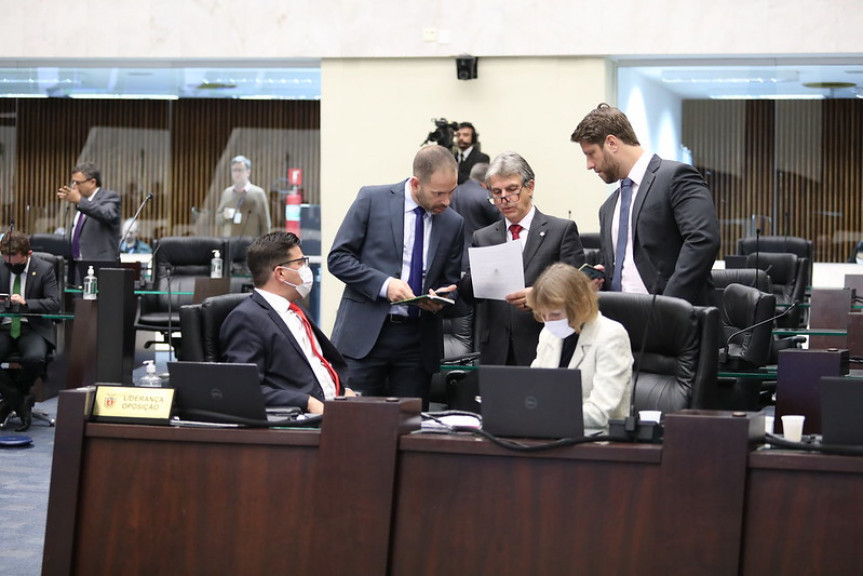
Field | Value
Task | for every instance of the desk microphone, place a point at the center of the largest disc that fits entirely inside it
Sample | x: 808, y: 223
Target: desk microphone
x: 135, y: 218
x: 631, y: 429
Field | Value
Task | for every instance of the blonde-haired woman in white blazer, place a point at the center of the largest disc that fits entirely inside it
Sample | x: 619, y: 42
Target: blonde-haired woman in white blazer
x: 577, y: 335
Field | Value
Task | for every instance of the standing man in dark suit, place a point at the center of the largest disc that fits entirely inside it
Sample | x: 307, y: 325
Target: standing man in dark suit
x: 397, y: 241
x: 297, y: 365
x: 467, y: 142
x: 509, y: 332
x: 95, y: 231
x: 664, y: 236
x: 32, y: 288
x: 473, y: 205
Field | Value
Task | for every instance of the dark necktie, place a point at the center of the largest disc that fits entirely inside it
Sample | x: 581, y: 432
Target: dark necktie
x: 460, y: 157
x: 15, y: 328
x: 415, y: 280
x: 76, y: 237
x: 332, y: 371
x: 515, y: 230
x: 622, y: 232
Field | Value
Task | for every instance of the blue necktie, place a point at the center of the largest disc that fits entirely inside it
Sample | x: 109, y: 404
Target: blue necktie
x: 415, y: 280
x: 622, y: 232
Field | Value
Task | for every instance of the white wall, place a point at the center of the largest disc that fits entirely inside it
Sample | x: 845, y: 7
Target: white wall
x: 654, y: 111
x: 376, y: 113
x: 394, y: 28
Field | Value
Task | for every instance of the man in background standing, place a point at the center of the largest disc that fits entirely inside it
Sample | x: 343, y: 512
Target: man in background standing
x: 244, y: 209
x: 467, y: 142
x: 95, y: 231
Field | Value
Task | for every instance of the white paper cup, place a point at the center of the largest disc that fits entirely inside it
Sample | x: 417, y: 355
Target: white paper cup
x: 768, y: 424
x: 792, y: 427
x: 650, y: 415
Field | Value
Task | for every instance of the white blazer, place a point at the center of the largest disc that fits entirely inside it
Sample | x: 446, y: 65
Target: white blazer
x: 604, y: 356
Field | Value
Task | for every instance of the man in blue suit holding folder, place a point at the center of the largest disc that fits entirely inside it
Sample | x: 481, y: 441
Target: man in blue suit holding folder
x: 397, y: 241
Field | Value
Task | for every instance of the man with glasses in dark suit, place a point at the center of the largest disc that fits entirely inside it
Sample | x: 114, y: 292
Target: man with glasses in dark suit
x: 509, y: 332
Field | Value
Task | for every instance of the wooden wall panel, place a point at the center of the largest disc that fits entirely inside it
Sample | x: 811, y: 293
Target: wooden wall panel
x: 176, y: 150
x: 800, y: 165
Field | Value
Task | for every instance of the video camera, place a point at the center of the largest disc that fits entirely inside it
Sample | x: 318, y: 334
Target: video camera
x: 443, y: 134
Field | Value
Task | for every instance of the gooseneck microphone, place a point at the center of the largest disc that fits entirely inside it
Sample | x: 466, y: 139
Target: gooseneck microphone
x: 135, y: 218
x: 723, y: 354
x: 631, y: 429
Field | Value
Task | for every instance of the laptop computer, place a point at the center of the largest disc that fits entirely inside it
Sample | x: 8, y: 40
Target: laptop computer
x: 221, y: 392
x: 841, y: 407
x: 524, y: 402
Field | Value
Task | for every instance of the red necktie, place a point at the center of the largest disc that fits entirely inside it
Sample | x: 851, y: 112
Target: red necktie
x: 299, y: 312
x: 515, y: 229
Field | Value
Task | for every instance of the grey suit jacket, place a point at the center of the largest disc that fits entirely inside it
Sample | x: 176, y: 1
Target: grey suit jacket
x: 550, y: 240
x: 100, y: 233
x: 368, y: 248
x: 675, y: 232
x: 41, y: 293
x: 471, y: 202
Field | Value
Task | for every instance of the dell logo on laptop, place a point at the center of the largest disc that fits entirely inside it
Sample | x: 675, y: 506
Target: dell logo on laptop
x: 530, y: 402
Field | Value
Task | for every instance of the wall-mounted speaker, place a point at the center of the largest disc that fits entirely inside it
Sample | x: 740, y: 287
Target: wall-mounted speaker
x: 466, y: 67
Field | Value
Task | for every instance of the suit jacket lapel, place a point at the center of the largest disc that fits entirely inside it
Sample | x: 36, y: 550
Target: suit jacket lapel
x: 32, y: 275
x: 586, y: 341
x: 280, y: 324
x: 644, y: 190
x: 535, y: 236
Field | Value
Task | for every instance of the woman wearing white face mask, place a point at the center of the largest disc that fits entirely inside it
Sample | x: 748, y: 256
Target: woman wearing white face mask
x: 577, y: 335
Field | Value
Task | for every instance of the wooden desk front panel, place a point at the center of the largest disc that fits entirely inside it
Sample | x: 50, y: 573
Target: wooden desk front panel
x: 803, y: 515
x: 168, y: 506
x: 514, y: 514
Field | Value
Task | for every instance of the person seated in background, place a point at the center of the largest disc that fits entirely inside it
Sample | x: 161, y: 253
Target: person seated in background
x: 577, y: 335
x: 132, y: 244
x: 32, y: 288
x: 297, y: 364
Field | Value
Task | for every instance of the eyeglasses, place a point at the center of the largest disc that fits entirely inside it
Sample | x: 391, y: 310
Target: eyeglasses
x: 78, y: 182
x: 304, y: 260
x: 497, y: 195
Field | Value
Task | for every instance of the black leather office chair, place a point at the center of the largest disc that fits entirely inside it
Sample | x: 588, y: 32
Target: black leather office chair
x: 235, y: 260
x: 751, y: 277
x: 456, y: 388
x: 679, y: 365
x: 746, y: 346
x: 592, y: 249
x: 799, y: 247
x: 200, y: 325
x: 179, y: 261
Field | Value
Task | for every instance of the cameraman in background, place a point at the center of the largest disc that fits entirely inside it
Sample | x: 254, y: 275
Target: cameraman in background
x: 468, y: 154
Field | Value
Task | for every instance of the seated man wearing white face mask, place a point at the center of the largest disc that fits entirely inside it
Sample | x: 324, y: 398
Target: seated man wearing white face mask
x: 297, y: 364
x: 577, y: 335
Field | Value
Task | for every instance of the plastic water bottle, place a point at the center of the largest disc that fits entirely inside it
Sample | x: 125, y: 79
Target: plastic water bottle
x: 91, y: 286
x: 150, y: 379
x: 216, y: 265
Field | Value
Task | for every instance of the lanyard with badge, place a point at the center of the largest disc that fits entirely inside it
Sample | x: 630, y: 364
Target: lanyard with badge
x: 234, y: 213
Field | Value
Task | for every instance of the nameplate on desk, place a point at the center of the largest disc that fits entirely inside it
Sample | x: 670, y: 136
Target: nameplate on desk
x: 133, y: 405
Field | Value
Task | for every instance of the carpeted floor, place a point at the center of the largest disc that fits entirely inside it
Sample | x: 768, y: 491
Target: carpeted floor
x: 25, y: 476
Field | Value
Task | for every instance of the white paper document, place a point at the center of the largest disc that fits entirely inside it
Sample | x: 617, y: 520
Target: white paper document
x: 496, y: 270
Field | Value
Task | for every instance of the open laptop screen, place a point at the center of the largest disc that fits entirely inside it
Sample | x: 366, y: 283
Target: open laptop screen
x: 524, y: 402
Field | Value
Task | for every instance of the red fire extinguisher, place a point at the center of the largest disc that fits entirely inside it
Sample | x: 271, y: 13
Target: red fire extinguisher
x: 293, y: 201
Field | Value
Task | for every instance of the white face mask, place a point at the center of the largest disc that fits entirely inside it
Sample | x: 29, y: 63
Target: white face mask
x: 560, y: 328
x: 308, y: 279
